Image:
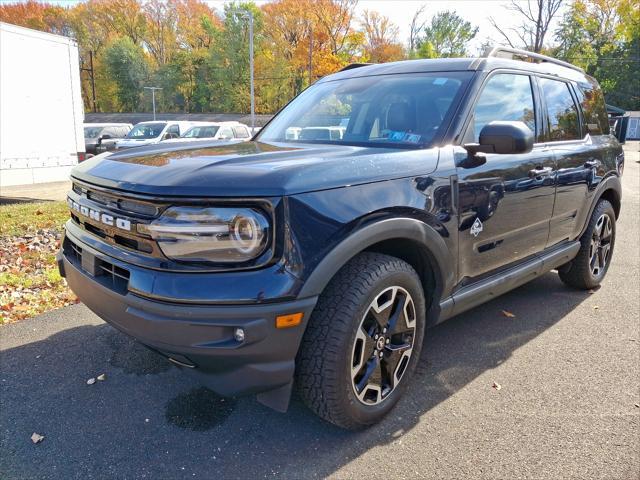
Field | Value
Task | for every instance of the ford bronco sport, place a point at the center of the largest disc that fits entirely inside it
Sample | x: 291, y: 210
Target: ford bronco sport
x: 315, y: 261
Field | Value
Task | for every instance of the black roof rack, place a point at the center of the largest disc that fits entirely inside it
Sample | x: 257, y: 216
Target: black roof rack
x: 351, y: 66
x: 517, y: 54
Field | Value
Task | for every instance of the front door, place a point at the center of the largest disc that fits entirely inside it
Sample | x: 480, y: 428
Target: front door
x: 505, y: 205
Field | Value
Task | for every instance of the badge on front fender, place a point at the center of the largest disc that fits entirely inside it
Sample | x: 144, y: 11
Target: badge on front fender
x: 476, y: 228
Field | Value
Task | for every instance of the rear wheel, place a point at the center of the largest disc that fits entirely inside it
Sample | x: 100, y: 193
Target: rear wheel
x: 588, y: 268
x: 363, y: 341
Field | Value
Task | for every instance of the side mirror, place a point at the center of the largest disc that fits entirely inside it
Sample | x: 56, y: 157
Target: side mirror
x: 103, y: 137
x: 503, y: 138
x: 169, y: 136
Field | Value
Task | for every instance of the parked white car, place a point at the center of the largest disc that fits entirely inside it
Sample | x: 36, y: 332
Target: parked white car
x: 100, y: 137
x: 148, y: 133
x: 215, y: 131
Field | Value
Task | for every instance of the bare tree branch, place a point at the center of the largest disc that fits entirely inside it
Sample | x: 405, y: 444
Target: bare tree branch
x: 536, y: 18
x: 416, y: 27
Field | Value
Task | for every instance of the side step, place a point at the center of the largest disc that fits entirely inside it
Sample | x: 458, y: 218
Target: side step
x: 495, y: 285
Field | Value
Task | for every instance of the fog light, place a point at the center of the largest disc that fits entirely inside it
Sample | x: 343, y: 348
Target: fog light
x: 238, y: 334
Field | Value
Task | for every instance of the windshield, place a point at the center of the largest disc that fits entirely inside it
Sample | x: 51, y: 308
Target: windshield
x: 404, y: 110
x: 201, y: 132
x: 92, y: 132
x: 147, y: 130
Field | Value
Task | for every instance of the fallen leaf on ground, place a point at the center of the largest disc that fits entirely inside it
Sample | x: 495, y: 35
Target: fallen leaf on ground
x: 508, y: 314
x: 637, y: 405
x: 497, y: 386
x: 596, y: 307
x: 36, y: 437
x: 91, y: 381
x: 101, y: 377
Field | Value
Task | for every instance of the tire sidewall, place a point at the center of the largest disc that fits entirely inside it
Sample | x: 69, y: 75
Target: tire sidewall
x: 369, y: 414
x: 603, y: 208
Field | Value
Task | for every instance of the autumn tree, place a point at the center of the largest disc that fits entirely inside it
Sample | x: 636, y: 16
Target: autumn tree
x: 289, y: 42
x: 334, y: 19
x: 194, y: 23
x: 415, y: 29
x: 381, y: 37
x: 127, y: 67
x: 36, y: 15
x: 535, y: 17
x: 447, y: 35
x: 227, y: 67
x: 123, y: 18
x: 603, y: 37
x: 160, y: 33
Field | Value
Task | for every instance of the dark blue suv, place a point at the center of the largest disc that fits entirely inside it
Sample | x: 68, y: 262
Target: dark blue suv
x: 381, y: 201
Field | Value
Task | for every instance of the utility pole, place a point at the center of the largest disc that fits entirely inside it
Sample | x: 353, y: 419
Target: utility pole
x: 249, y: 15
x: 93, y: 81
x: 153, y: 98
x: 310, y: 54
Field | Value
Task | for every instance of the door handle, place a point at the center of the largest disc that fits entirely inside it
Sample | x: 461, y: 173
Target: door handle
x: 540, y: 172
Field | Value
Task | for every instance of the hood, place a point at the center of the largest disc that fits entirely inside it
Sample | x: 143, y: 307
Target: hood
x: 250, y: 169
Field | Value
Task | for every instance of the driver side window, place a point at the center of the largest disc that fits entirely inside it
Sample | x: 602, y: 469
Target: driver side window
x: 505, y: 97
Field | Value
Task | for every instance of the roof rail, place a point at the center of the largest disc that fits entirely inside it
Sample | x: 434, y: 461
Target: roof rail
x: 354, y: 65
x: 516, y: 53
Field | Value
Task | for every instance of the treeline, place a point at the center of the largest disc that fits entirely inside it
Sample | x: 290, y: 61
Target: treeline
x: 199, y: 56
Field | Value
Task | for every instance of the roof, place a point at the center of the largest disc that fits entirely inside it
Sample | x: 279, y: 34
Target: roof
x: 456, y: 65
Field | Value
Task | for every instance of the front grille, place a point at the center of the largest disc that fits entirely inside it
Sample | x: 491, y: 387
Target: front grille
x: 132, y: 212
x: 105, y: 273
x: 116, y: 278
x: 113, y: 200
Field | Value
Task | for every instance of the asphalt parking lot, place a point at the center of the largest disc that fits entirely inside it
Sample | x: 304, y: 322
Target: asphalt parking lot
x: 568, y: 365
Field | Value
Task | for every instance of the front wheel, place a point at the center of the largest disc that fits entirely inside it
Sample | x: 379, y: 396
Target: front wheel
x: 363, y: 341
x: 588, y: 268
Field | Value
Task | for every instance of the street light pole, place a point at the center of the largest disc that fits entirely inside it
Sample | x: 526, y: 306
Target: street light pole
x: 153, y: 98
x: 249, y: 15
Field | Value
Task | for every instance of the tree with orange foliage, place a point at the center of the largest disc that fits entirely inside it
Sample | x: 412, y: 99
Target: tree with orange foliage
x: 36, y: 15
x: 381, y: 36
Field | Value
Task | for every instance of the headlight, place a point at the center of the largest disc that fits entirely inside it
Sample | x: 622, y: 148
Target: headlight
x: 215, y: 234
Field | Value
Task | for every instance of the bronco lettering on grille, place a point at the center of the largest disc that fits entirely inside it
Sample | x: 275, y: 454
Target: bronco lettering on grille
x: 98, y: 216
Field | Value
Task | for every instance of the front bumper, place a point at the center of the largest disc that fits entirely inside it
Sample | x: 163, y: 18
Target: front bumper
x: 200, y: 337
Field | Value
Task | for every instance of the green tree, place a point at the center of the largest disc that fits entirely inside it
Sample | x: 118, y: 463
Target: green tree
x: 228, y: 62
x: 446, y: 36
x: 127, y: 66
x: 603, y: 37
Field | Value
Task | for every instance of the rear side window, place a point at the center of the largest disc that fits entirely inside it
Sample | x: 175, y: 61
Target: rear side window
x: 593, y: 109
x: 505, y: 97
x: 240, y: 132
x: 562, y: 111
x: 226, y: 133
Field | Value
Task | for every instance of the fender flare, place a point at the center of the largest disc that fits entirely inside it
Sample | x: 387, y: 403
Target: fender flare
x: 388, y: 229
x: 610, y: 183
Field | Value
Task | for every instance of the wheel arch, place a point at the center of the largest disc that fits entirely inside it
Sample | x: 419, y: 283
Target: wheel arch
x: 412, y: 240
x: 609, y: 189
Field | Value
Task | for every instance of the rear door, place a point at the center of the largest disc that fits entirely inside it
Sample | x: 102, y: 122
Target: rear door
x: 578, y: 158
x: 506, y: 204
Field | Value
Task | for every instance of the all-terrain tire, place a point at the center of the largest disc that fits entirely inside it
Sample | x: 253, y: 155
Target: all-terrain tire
x: 579, y: 273
x: 323, y: 366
